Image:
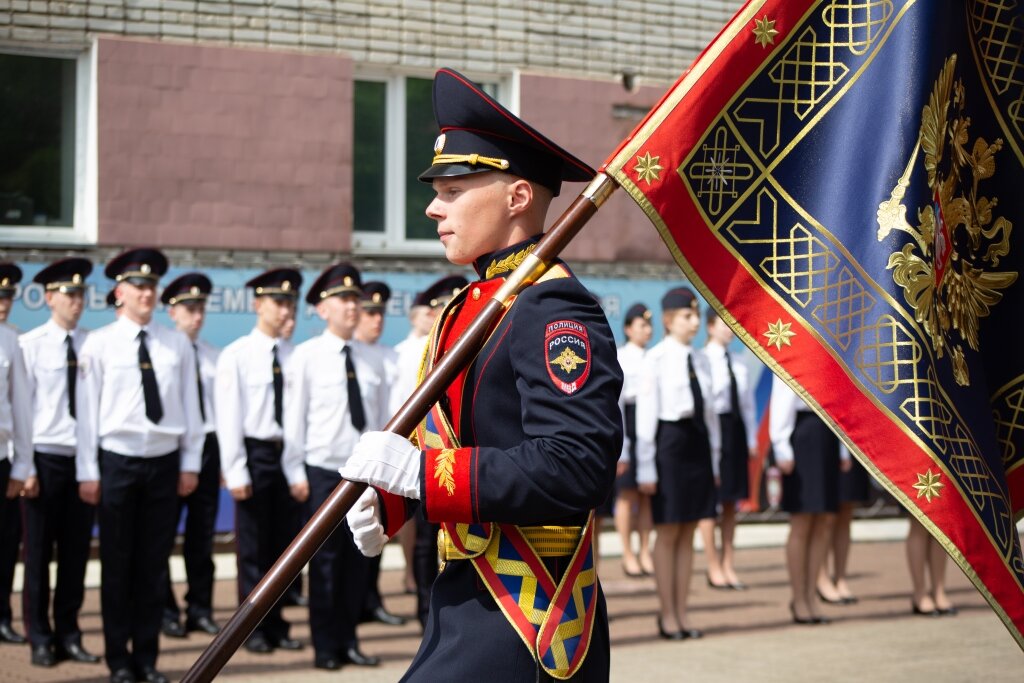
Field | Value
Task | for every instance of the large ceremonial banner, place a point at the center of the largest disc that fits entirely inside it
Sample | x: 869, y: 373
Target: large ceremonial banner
x: 844, y: 182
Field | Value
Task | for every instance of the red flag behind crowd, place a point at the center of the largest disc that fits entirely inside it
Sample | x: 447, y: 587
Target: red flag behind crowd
x: 841, y: 180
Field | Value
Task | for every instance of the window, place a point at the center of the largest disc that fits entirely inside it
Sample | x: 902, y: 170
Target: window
x: 393, y: 141
x: 42, y: 138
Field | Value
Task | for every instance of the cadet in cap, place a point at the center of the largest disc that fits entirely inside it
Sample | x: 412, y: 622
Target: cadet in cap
x: 678, y: 446
x: 139, y: 429
x: 249, y: 397
x: 632, y: 509
x: 10, y: 276
x: 14, y: 472
x: 545, y: 385
x: 369, y: 330
x: 337, y: 388
x: 185, y: 298
x: 60, y: 517
x: 10, y: 509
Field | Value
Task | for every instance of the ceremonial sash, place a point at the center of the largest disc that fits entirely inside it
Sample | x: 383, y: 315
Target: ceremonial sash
x: 555, y: 620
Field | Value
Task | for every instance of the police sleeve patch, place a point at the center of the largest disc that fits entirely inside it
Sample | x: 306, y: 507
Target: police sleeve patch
x: 567, y: 347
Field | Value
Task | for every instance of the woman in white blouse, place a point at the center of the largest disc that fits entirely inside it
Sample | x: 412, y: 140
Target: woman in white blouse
x: 809, y: 455
x: 677, y: 454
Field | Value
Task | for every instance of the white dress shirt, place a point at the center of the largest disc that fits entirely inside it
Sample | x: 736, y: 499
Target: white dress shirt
x: 631, y: 358
x: 719, y: 364
x: 318, y: 428
x: 782, y: 412
x: 244, y: 395
x: 407, y: 371
x: 665, y: 394
x: 46, y: 361
x: 208, y: 355
x: 111, y: 406
x: 15, y: 407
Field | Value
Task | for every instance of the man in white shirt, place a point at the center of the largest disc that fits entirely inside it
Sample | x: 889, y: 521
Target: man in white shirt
x: 54, y: 513
x: 249, y: 395
x: 337, y: 389
x: 185, y: 299
x: 10, y: 509
x: 374, y: 300
x: 138, y: 425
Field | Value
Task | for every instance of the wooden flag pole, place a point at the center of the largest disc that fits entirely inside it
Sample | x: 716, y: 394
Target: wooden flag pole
x: 327, y: 518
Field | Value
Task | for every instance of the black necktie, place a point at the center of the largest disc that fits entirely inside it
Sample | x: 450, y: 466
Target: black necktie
x: 72, y: 374
x: 154, y: 411
x: 734, y: 394
x: 698, y: 397
x: 199, y: 384
x: 355, y: 399
x: 278, y: 388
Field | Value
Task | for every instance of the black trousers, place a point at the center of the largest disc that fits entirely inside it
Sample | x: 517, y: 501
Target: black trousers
x: 10, y: 542
x: 58, y: 516
x: 138, y: 502
x: 424, y: 563
x: 265, y: 525
x: 200, y: 516
x: 337, y: 577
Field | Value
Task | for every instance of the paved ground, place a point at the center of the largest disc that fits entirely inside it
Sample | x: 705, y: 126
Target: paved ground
x: 749, y: 635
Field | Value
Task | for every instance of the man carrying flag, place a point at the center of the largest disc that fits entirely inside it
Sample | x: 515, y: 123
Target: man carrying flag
x: 523, y: 446
x: 841, y: 181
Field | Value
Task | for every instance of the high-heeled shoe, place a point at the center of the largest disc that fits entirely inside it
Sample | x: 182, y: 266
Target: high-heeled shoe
x: 823, y: 598
x: 670, y: 635
x: 638, y: 574
x: 947, y: 611
x: 692, y: 633
x: 922, y: 612
x: 718, y: 586
x: 805, y: 621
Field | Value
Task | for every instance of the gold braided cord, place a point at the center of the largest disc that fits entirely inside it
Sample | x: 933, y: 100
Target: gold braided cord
x: 472, y: 159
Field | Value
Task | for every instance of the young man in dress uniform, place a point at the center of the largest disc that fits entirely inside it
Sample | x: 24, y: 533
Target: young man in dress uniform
x: 185, y: 299
x: 54, y: 514
x: 337, y: 389
x: 524, y: 444
x: 139, y: 444
x: 374, y: 300
x: 249, y: 395
x: 15, y: 447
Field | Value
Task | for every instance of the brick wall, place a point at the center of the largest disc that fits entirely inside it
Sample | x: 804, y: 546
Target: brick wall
x: 656, y: 39
x: 223, y: 147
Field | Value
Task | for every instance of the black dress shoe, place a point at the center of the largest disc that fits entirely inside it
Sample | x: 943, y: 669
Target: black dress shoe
x: 923, y: 612
x: 9, y: 635
x: 669, y: 635
x: 692, y: 633
x: 74, y: 651
x: 381, y: 615
x: 151, y: 675
x: 288, y: 644
x: 122, y: 676
x: 354, y: 656
x: 258, y: 644
x: 42, y: 655
x: 172, y: 628
x: 947, y: 611
x: 804, y: 621
x: 329, y: 662
x: 202, y: 623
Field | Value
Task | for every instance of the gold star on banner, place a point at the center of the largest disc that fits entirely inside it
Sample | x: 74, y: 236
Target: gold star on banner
x: 928, y: 485
x: 764, y: 33
x: 647, y: 168
x: 779, y: 333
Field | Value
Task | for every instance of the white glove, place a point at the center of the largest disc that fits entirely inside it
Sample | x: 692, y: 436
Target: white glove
x: 387, y: 461
x: 364, y: 521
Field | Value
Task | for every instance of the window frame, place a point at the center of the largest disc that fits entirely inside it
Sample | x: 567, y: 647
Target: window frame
x: 84, y: 223
x: 393, y: 238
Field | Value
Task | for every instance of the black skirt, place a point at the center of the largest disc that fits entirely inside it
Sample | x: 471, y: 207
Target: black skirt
x: 627, y: 480
x: 813, y: 487
x: 686, y: 482
x: 734, y: 473
x: 855, y: 485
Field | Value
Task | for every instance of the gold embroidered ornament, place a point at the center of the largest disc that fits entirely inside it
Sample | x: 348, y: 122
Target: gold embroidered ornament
x: 947, y: 270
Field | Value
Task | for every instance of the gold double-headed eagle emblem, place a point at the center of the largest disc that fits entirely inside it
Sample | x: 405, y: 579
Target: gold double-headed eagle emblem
x: 948, y: 271
x: 568, y: 360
